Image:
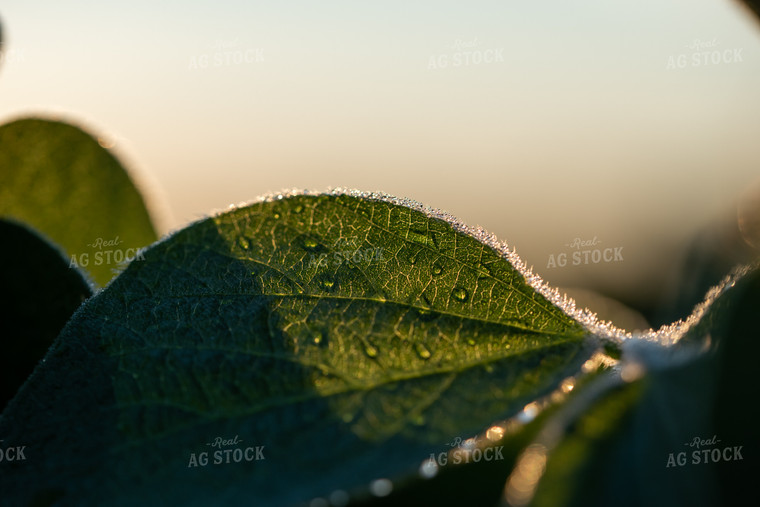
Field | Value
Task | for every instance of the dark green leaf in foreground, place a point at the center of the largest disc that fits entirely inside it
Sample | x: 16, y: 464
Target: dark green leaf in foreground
x: 60, y: 181
x: 38, y: 294
x: 350, y: 337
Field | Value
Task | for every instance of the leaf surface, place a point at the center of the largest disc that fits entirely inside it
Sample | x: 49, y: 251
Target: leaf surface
x: 59, y: 180
x: 682, y: 433
x: 350, y: 336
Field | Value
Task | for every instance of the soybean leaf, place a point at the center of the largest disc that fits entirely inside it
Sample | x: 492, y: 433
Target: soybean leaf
x: 348, y: 335
x: 473, y: 471
x: 575, y: 469
x: 58, y: 179
x: 679, y: 435
x: 38, y: 294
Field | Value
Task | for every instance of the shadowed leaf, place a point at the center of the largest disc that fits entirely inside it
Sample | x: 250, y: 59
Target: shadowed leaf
x: 635, y: 444
x: 38, y: 294
x: 351, y: 337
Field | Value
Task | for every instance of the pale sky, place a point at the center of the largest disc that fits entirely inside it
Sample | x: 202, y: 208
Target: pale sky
x: 540, y: 121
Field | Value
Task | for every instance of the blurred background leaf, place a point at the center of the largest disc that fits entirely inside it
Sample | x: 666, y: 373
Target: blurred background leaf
x: 58, y: 179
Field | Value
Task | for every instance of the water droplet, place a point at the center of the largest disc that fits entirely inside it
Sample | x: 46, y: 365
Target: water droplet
x: 567, y: 385
x: 381, y: 487
x: 276, y: 215
x: 311, y: 244
x: 422, y: 350
x: 495, y: 433
x: 244, y: 243
x: 317, y: 339
x: 370, y: 350
x: 529, y: 412
x: 460, y: 294
x: 429, y: 469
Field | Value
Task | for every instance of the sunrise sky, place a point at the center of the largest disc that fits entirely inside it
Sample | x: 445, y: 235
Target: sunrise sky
x: 541, y: 121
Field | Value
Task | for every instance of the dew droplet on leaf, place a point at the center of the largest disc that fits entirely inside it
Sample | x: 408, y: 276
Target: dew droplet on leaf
x: 460, y: 294
x: 310, y: 244
x: 495, y: 433
x: 422, y: 351
x: 381, y: 487
x: 429, y: 469
x: 370, y: 350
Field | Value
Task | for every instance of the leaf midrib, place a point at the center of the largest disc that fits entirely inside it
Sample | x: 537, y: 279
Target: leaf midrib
x: 508, y: 324
x: 539, y: 301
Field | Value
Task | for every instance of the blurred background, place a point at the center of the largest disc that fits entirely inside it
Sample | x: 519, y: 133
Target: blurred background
x: 562, y: 127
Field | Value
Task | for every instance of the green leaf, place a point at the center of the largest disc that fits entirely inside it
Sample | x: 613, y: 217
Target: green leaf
x: 38, y: 294
x: 575, y: 467
x: 623, y: 444
x: 464, y: 476
x: 58, y: 179
x: 351, y: 336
